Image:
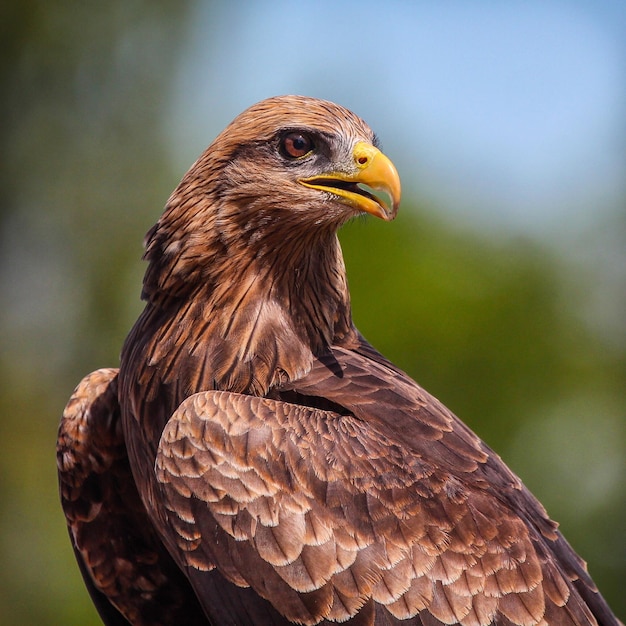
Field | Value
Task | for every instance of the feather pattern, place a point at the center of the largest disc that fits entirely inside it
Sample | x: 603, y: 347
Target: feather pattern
x: 255, y: 460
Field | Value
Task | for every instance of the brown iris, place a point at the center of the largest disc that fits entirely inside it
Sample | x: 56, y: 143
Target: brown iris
x: 296, y: 145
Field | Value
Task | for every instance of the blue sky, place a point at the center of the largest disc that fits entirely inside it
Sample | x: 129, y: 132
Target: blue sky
x: 503, y: 113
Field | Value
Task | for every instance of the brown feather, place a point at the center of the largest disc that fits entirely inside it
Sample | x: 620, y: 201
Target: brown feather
x: 118, y: 550
x: 283, y: 471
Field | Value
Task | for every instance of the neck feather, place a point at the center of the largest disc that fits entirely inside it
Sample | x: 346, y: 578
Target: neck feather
x: 244, y: 313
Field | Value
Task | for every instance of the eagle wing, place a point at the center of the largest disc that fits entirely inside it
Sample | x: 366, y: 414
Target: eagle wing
x: 333, y: 489
x: 129, y: 574
x: 319, y: 500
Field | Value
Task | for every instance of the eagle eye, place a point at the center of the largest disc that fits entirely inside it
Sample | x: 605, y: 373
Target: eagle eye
x: 295, y: 145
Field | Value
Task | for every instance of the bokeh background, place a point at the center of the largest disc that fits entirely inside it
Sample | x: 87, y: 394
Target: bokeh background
x: 500, y: 287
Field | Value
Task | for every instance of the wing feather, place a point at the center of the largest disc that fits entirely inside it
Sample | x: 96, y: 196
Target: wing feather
x: 345, y: 528
x: 128, y: 572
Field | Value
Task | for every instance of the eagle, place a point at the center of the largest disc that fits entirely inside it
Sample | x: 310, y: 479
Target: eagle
x: 254, y: 460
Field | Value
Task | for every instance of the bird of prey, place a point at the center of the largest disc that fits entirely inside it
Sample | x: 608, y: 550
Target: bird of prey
x: 254, y: 461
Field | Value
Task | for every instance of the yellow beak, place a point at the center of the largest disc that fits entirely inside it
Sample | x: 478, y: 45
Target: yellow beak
x: 373, y: 170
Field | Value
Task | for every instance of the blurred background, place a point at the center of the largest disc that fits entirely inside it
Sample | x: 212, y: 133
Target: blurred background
x: 500, y: 287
